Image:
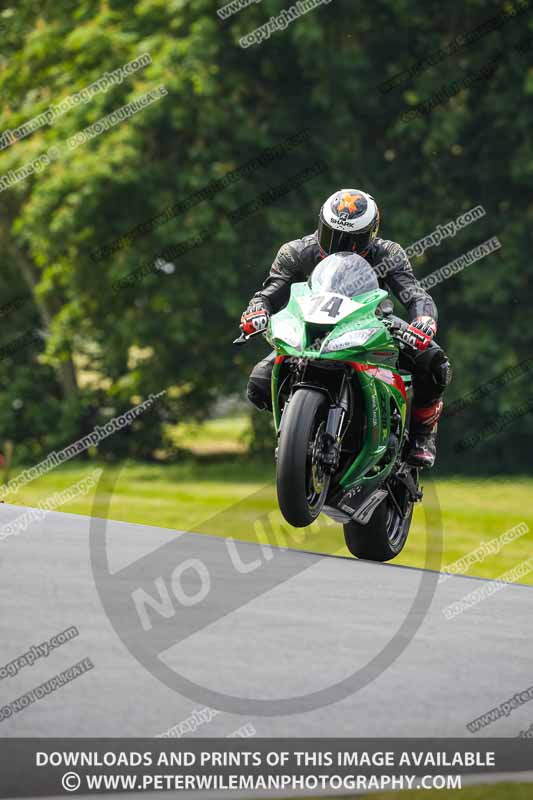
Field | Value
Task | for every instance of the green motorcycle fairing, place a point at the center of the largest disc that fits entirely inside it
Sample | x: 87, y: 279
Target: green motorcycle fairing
x: 327, y: 326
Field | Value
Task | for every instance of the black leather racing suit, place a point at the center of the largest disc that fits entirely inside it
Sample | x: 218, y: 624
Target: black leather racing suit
x: 296, y: 260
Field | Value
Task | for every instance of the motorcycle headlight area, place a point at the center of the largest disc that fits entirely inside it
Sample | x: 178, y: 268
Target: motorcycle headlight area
x: 288, y: 333
x: 350, y: 339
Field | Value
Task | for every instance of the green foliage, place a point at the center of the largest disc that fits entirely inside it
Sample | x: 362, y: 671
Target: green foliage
x: 224, y: 105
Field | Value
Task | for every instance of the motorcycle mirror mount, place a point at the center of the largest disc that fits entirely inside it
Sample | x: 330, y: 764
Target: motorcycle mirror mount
x: 245, y: 337
x: 385, y: 308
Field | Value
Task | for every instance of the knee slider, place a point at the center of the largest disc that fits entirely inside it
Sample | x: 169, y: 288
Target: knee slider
x: 442, y: 372
x: 258, y: 397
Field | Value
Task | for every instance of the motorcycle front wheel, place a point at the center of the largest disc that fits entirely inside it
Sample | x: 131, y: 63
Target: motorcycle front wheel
x: 302, y: 483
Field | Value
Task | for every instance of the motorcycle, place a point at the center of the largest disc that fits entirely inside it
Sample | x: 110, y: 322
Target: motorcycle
x: 342, y: 408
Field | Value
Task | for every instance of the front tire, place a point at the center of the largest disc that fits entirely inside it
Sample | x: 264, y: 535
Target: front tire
x: 384, y: 536
x: 302, y: 485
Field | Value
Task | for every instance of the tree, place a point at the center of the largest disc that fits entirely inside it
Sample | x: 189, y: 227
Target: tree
x: 171, y: 324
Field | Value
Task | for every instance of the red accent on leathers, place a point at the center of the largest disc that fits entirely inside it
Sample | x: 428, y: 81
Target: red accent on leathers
x: 426, y: 418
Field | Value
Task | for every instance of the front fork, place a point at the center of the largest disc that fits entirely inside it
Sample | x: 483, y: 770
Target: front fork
x: 332, y: 435
x: 331, y: 438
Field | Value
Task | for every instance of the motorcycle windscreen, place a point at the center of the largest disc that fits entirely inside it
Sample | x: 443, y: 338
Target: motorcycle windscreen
x: 344, y: 273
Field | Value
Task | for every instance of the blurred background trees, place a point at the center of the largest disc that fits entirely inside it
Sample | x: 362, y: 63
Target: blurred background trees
x: 88, y: 351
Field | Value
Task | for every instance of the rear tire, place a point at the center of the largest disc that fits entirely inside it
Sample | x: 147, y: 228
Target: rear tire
x: 301, y: 484
x: 384, y: 536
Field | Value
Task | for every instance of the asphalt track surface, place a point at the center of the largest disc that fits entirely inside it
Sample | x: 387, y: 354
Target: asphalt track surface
x: 312, y: 623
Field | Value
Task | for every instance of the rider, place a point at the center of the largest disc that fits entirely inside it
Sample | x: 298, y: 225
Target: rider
x: 349, y: 221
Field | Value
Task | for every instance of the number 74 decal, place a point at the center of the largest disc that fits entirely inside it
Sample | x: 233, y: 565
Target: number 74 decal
x: 331, y: 306
x: 327, y: 308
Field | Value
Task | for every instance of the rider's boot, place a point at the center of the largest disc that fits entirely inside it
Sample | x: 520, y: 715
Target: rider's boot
x: 425, y: 423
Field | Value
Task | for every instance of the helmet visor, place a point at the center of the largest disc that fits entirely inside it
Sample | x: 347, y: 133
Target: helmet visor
x: 334, y: 241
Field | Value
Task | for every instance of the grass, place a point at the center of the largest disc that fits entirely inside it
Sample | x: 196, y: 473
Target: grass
x: 226, y: 497
x: 225, y: 435
x: 215, y: 489
x: 498, y: 791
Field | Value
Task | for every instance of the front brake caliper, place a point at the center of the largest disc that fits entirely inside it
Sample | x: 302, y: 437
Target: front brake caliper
x: 330, y: 454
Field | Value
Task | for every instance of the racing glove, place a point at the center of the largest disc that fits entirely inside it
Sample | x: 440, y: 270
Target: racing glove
x: 425, y: 324
x: 407, y: 335
x: 421, y: 332
x: 256, y: 316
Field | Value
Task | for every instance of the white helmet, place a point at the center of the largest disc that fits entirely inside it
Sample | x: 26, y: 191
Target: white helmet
x: 348, y: 222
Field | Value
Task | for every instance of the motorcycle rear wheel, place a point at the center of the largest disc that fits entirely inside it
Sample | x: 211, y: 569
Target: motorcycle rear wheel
x: 385, y: 535
x: 302, y: 484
